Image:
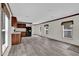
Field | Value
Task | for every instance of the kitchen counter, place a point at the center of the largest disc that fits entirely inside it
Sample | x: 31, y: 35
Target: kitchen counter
x: 16, y: 33
x: 20, y: 29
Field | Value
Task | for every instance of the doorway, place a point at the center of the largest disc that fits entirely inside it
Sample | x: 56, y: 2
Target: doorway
x: 28, y: 31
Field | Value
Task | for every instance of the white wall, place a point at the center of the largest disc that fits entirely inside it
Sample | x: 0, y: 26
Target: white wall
x: 9, y: 34
x: 56, y: 31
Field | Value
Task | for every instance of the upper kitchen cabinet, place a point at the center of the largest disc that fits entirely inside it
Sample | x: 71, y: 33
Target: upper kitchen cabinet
x: 21, y: 25
x: 14, y: 21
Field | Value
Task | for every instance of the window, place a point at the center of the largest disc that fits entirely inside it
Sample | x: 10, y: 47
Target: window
x: 67, y: 29
x: 5, y: 16
x: 4, y: 31
x: 46, y: 28
x: 3, y: 27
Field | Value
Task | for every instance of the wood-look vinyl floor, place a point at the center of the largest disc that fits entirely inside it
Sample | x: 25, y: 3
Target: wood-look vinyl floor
x: 40, y: 46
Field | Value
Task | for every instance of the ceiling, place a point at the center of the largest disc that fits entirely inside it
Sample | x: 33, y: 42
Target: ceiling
x: 41, y: 12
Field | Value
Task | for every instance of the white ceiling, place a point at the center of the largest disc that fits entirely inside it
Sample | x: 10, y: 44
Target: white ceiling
x: 40, y: 12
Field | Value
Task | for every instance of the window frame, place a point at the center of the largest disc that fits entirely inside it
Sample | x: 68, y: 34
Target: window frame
x: 46, y: 27
x: 67, y: 29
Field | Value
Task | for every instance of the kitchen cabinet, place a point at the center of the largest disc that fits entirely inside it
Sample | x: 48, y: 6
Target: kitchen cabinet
x: 16, y: 38
x: 19, y: 25
x: 23, y: 34
x: 14, y: 21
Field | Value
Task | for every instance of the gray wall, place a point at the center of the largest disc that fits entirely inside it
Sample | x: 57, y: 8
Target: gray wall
x: 56, y: 31
x: 0, y: 29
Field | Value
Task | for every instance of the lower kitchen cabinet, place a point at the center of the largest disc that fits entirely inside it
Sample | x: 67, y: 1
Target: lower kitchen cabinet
x: 16, y: 39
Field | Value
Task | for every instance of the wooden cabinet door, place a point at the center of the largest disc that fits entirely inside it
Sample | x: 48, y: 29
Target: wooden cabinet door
x: 16, y: 39
x: 23, y: 34
x: 21, y: 25
x: 14, y: 21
